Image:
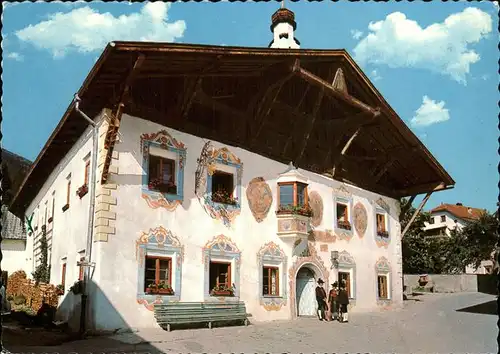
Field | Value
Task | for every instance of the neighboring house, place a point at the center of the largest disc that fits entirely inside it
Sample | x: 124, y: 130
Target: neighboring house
x: 448, y: 217
x: 195, y: 189
x: 14, y: 170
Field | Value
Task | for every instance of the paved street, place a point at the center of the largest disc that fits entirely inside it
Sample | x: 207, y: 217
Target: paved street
x: 431, y: 325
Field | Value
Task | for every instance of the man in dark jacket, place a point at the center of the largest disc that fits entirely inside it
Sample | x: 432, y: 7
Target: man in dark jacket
x: 321, y: 299
x: 343, y: 301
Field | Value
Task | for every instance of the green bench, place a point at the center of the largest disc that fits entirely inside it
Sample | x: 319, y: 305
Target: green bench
x: 199, y: 312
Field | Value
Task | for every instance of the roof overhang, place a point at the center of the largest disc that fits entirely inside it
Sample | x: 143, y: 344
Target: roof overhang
x: 313, y: 107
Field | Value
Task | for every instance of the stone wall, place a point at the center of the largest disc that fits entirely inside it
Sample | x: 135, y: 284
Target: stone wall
x: 454, y: 283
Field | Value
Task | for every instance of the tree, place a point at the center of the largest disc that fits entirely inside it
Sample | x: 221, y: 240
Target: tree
x: 42, y: 271
x: 475, y: 242
x: 421, y: 255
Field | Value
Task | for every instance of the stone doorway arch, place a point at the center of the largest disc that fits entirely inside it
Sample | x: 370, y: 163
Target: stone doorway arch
x: 315, y: 265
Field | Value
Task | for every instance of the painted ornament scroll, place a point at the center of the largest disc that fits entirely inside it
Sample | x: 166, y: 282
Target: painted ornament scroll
x: 260, y: 198
x: 360, y: 219
x: 316, y: 204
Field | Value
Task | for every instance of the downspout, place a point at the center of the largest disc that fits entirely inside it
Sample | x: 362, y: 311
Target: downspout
x: 412, y: 219
x: 88, y: 249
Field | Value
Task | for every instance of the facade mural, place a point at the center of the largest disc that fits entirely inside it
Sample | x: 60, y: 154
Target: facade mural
x: 347, y: 265
x: 272, y: 255
x: 322, y: 236
x: 316, y: 204
x: 383, y: 268
x: 382, y: 235
x: 222, y: 249
x: 360, y: 219
x: 159, y: 243
x: 342, y: 196
x: 210, y: 161
x: 310, y: 260
x: 260, y: 198
x: 173, y: 195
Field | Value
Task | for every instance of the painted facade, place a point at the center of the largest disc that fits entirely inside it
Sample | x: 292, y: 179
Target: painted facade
x: 191, y: 231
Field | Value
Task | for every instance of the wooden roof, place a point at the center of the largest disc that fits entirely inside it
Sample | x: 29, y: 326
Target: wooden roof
x: 275, y: 102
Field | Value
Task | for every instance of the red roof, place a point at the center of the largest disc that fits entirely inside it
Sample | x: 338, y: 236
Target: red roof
x: 460, y: 211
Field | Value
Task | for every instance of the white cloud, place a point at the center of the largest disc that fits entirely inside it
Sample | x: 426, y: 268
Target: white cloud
x: 440, y: 47
x: 86, y: 30
x: 375, y: 76
x: 429, y: 113
x: 356, y: 34
x: 15, y: 56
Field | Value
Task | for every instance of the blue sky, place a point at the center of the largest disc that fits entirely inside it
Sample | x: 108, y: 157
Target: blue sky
x: 435, y: 63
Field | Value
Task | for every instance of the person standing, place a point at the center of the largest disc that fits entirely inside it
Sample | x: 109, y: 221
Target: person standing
x: 321, y: 299
x: 343, y: 301
x: 332, y: 301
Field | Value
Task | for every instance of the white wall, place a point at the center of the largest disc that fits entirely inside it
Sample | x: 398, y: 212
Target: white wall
x: 67, y: 233
x: 117, y: 264
x: 14, y: 255
x: 450, y: 223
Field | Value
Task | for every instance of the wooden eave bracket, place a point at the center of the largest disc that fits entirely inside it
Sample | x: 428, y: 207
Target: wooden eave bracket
x: 111, y: 134
x: 417, y: 211
x: 331, y: 90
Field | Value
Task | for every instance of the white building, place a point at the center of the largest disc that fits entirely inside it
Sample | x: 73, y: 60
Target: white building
x: 448, y: 217
x: 194, y: 185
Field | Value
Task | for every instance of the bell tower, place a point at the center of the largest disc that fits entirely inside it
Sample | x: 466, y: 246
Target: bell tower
x: 283, y: 26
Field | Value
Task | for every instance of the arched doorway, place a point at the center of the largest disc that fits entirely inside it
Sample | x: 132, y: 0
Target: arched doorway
x: 305, y: 284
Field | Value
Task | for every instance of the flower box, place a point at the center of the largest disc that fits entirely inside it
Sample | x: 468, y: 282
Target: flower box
x: 222, y: 293
x: 162, y: 187
x: 223, y: 198
x: 346, y: 225
x: 65, y: 207
x: 304, y: 210
x: 159, y: 291
x: 82, y: 191
x: 384, y: 234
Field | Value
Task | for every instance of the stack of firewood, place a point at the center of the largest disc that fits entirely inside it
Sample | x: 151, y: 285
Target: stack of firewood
x: 34, y: 293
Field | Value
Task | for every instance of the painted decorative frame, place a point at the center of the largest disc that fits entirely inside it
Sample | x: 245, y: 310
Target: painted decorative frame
x: 165, y: 141
x: 347, y: 263
x: 223, y: 212
x: 159, y: 242
x: 344, y: 196
x: 383, y: 267
x: 379, y: 240
x: 272, y: 255
x: 222, y: 248
x: 311, y: 261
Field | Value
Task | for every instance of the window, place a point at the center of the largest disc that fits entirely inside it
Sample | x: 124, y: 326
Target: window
x: 63, y: 276
x: 158, y: 271
x: 346, y: 278
x: 343, y: 216
x: 270, y: 281
x: 431, y: 221
x: 381, y: 223
x: 220, y: 275
x: 87, y: 173
x: 443, y: 218
x: 382, y: 286
x: 81, y: 269
x: 68, y: 193
x: 45, y: 220
x: 292, y: 197
x: 161, y: 176
x: 223, y: 188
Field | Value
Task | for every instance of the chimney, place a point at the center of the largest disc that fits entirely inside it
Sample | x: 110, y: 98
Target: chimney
x: 460, y: 204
